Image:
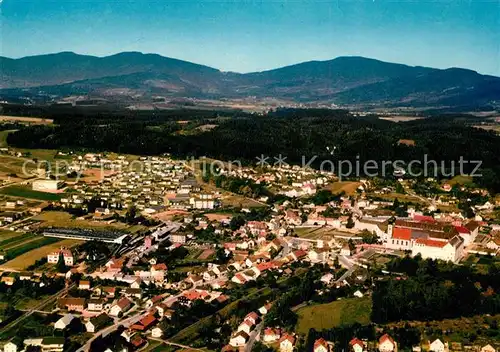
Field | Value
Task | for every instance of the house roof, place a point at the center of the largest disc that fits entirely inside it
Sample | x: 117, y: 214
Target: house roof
x: 320, y: 342
x: 252, y: 315
x: 431, y: 243
x: 355, y: 341
x: 242, y: 334
x: 385, y: 338
x: 400, y: 233
x: 288, y: 337
x: 123, y: 303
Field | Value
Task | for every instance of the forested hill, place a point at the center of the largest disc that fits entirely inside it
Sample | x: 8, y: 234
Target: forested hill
x: 294, y: 134
x: 343, y: 80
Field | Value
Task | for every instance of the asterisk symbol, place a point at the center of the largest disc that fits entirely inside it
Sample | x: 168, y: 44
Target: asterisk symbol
x: 262, y: 160
x: 280, y: 161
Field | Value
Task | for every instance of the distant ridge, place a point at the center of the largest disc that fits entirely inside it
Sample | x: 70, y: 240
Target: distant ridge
x: 348, y: 80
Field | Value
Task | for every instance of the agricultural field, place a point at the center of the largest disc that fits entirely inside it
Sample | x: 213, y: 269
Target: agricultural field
x: 11, y: 165
x: 27, y: 120
x: 27, y: 192
x: 319, y: 233
x: 63, y: 219
x: 44, y: 246
x: 461, y: 180
x: 7, y: 235
x: 237, y: 201
x: 349, y: 187
x: 330, y: 315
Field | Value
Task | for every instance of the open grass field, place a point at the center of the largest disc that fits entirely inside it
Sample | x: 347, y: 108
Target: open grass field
x: 349, y: 187
x: 26, y: 192
x: 319, y: 233
x: 12, y: 165
x: 399, y: 196
x: 461, y: 180
x: 237, y: 201
x: 329, y: 315
x: 3, y: 138
x: 26, y: 259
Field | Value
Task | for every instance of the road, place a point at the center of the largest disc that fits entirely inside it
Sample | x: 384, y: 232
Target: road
x: 131, y: 320
x: 346, y: 274
x: 253, y: 336
x: 37, y: 308
x: 106, y: 331
x: 166, y: 342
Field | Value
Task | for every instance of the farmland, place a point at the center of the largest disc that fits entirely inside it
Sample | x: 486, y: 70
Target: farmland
x: 28, y: 120
x: 319, y: 233
x: 63, y: 219
x: 329, y: 315
x: 348, y: 187
x: 36, y: 251
x: 26, y: 192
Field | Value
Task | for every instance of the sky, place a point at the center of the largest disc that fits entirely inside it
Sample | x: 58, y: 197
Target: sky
x: 247, y: 36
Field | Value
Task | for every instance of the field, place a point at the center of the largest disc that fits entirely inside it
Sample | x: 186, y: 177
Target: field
x: 318, y: 233
x: 30, y: 120
x: 26, y: 192
x: 12, y: 165
x: 461, y: 180
x: 6, y: 235
x: 329, y: 315
x: 348, y: 187
x: 237, y: 201
x: 15, y: 241
x: 399, y: 196
x: 3, y: 138
x: 26, y: 259
x: 63, y: 219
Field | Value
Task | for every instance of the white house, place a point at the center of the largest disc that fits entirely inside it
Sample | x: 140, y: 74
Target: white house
x: 62, y: 323
x: 271, y: 335
x: 121, y: 306
x: 286, y: 343
x: 386, y: 344
x: 239, y: 339
x: 437, y: 346
x: 156, y: 332
x: 488, y: 348
x: 357, y: 345
x: 10, y: 347
x: 321, y: 345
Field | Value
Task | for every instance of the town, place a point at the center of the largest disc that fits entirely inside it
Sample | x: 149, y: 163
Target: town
x: 122, y: 253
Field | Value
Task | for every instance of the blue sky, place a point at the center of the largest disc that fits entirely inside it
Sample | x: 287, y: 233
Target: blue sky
x: 248, y: 36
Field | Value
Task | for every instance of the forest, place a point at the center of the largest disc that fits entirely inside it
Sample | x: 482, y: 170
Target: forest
x: 297, y: 134
x: 433, y: 290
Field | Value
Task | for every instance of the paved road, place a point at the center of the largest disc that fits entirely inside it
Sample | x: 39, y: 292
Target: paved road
x: 37, y: 308
x: 346, y: 274
x: 106, y: 331
x: 131, y: 320
x: 253, y: 336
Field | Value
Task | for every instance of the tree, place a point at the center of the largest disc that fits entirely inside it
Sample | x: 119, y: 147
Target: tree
x: 236, y: 222
x: 350, y: 222
x: 61, y: 265
x: 131, y: 214
x: 260, y: 347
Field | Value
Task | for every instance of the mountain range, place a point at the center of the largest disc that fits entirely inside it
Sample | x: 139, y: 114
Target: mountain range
x: 343, y: 80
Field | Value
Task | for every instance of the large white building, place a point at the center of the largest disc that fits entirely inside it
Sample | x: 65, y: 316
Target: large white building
x: 430, y: 239
x: 53, y: 257
x: 47, y: 185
